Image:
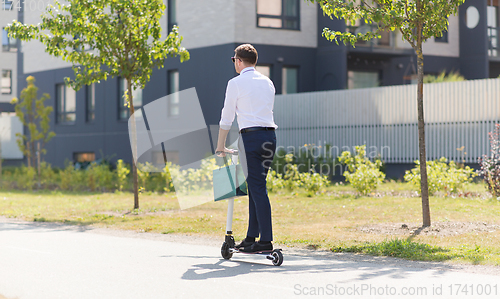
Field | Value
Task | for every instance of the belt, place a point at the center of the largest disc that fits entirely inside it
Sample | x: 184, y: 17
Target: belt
x: 251, y: 129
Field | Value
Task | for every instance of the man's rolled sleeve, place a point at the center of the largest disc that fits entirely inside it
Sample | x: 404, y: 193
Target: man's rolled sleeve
x: 229, y: 110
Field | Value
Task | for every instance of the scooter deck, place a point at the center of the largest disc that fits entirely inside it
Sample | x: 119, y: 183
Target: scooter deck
x: 234, y: 250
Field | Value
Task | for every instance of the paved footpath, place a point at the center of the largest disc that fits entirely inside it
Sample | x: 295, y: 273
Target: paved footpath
x: 46, y: 260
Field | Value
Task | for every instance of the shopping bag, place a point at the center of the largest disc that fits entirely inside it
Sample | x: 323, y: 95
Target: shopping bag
x: 229, y: 181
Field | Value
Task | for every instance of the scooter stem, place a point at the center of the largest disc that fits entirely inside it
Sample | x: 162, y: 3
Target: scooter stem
x: 229, y: 222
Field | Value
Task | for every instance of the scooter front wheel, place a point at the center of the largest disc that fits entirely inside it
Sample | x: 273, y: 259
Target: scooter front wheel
x: 225, y: 251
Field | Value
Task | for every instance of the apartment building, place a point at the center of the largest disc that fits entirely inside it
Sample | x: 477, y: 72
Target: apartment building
x: 9, y: 123
x: 92, y: 122
x: 8, y: 57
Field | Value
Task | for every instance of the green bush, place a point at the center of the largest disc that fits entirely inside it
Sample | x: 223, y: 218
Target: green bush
x: 25, y: 177
x: 99, y: 177
x: 167, y: 178
x: 122, y: 172
x: 293, y: 179
x: 143, y: 173
x: 66, y: 177
x: 47, y: 175
x: 71, y: 178
x: 443, y: 77
x: 274, y: 181
x: 363, y: 174
x: 314, y: 182
x: 306, y: 158
x: 156, y: 183
x: 441, y: 176
x: 190, y: 180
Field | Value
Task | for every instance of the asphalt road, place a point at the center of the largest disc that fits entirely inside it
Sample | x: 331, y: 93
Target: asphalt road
x: 44, y: 260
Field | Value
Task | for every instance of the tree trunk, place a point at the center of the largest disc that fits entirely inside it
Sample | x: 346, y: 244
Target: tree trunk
x: 424, y: 188
x: 28, y: 153
x: 38, y: 163
x: 134, y: 145
x: 33, y: 151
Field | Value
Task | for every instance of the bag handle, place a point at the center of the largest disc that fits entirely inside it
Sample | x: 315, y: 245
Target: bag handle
x: 235, y: 153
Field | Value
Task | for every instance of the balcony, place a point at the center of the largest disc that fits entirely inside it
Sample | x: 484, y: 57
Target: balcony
x: 493, y: 41
x: 386, y: 41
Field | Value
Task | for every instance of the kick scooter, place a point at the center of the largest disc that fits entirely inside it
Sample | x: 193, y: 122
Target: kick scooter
x: 228, y: 247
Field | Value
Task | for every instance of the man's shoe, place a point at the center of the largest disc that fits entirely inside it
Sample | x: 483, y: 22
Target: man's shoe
x: 257, y: 246
x: 243, y: 244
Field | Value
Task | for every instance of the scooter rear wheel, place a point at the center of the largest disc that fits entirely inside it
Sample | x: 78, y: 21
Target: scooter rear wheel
x: 277, y: 257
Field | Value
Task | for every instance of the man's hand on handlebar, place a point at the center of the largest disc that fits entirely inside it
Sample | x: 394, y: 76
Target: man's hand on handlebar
x: 223, y: 152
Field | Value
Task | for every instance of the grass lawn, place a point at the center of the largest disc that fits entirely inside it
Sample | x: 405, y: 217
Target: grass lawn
x: 336, y: 220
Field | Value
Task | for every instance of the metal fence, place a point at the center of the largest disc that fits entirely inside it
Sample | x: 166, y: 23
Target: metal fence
x: 385, y: 119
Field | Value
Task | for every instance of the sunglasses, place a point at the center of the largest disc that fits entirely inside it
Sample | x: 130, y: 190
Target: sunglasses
x: 234, y: 59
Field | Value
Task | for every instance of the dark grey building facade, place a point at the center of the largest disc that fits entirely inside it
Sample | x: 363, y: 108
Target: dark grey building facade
x: 95, y: 126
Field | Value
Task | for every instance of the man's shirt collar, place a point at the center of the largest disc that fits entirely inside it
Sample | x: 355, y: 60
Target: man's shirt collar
x: 247, y: 69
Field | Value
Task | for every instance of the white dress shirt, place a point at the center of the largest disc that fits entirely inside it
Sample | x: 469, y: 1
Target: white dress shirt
x: 251, y: 96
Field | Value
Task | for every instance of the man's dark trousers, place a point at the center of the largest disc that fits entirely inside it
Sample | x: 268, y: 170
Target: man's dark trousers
x: 259, y: 149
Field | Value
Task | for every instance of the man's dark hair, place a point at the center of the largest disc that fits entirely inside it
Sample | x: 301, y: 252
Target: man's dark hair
x: 246, y: 53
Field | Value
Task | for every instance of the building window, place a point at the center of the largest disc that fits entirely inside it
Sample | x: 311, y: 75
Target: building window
x: 492, y: 23
x: 171, y: 156
x: 83, y: 160
x: 362, y: 79
x: 173, y: 91
x: 290, y: 80
x: 172, y: 14
x: 7, y: 4
x: 84, y: 157
x: 76, y: 38
x: 264, y: 70
x: 65, y: 104
x: 443, y: 38
x: 278, y: 14
x: 9, y: 44
x: 6, y: 81
x: 90, y: 102
x: 123, y: 110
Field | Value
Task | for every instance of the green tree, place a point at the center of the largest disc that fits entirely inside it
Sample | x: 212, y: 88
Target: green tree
x: 106, y: 38
x: 417, y: 20
x: 35, y: 116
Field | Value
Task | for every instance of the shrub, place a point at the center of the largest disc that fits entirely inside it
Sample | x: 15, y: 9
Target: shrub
x: 143, y: 172
x: 191, y: 179
x: 490, y: 166
x: 311, y: 181
x: 99, y: 176
x: 66, y: 176
x: 363, y: 174
x: 306, y: 158
x: 26, y: 177
x: 122, y: 172
x: 47, y: 174
x: 274, y: 181
x: 314, y: 182
x: 443, y: 77
x: 292, y: 177
x: 156, y: 182
x: 167, y: 178
x: 279, y: 162
x: 441, y: 176
x: 203, y: 177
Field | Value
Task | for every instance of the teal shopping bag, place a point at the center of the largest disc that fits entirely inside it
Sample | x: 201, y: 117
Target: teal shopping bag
x: 229, y: 181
